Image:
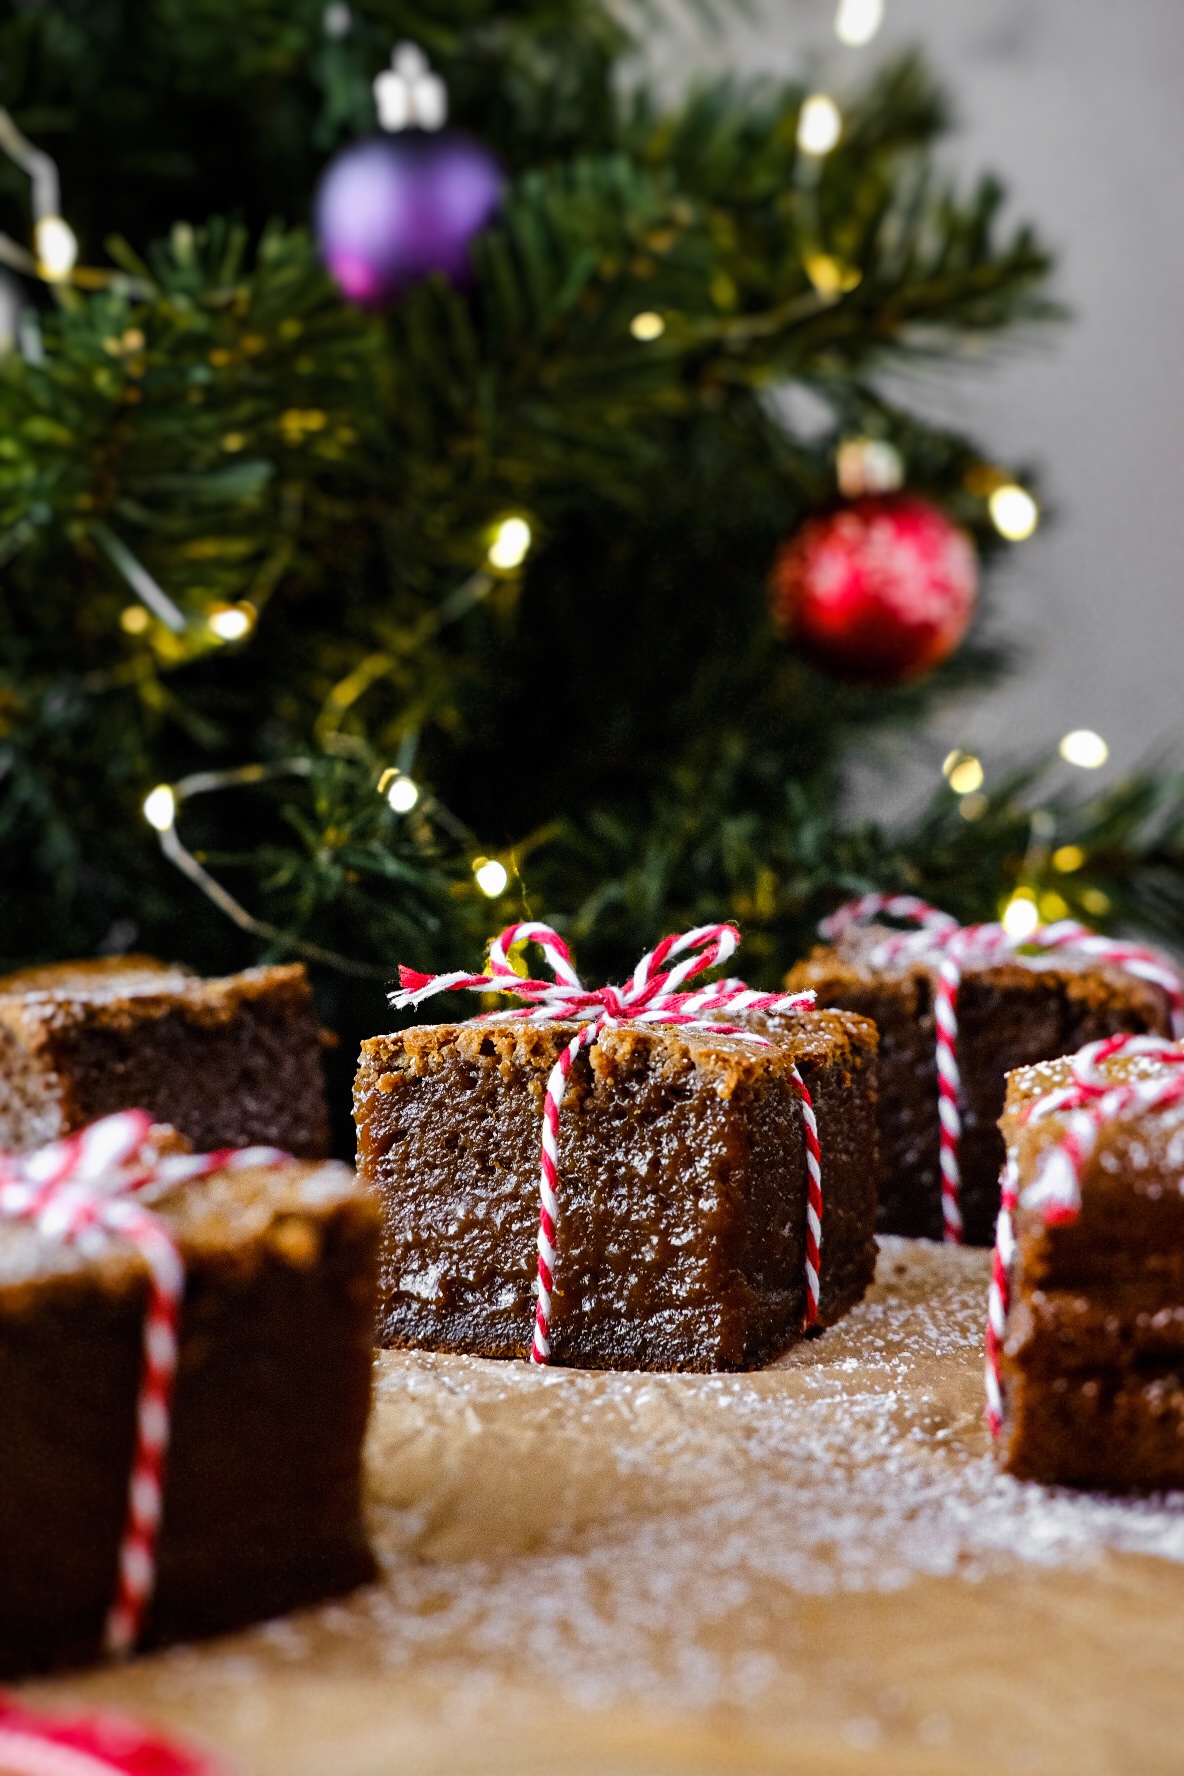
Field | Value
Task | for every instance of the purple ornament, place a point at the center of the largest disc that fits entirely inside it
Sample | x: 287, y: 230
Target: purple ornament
x: 393, y: 208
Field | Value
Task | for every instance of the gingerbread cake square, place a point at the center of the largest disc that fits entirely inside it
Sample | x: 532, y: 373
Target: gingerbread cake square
x: 234, y: 1062
x: 682, y: 1190
x: 1092, y: 1360
x: 261, y: 1502
x: 1010, y: 1014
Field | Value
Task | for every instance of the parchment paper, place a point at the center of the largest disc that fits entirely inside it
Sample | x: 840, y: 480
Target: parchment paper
x: 813, y: 1569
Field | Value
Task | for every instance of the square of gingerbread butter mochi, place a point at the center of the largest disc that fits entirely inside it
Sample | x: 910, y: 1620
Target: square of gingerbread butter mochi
x: 233, y: 1062
x: 1010, y: 1013
x: 262, y: 1469
x: 682, y: 1190
x: 1092, y: 1350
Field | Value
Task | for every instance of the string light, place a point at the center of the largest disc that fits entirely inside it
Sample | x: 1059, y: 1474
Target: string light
x: 1021, y: 915
x: 819, y: 124
x: 160, y: 808
x: 402, y: 794
x: 1085, y: 749
x: 1014, y: 512
x: 647, y: 325
x: 56, y: 246
x: 230, y: 622
x: 134, y: 619
x: 857, y: 21
x: 1067, y: 858
x: 510, y: 545
x: 491, y: 876
x: 963, y: 772
x: 829, y: 276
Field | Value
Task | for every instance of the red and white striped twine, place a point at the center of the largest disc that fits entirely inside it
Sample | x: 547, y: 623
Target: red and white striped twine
x: 1091, y: 1101
x: 89, y: 1745
x: 942, y: 940
x: 653, y: 995
x: 76, y: 1192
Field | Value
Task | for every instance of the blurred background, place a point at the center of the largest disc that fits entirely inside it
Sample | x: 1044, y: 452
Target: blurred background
x: 1076, y: 104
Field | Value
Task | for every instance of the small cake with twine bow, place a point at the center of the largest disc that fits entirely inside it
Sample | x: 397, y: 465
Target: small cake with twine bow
x: 957, y: 1007
x: 619, y: 1177
x: 1085, y: 1334
x: 185, y: 1353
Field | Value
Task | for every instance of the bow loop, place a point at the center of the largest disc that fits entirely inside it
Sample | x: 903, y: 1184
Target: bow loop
x: 651, y: 988
x: 549, y: 941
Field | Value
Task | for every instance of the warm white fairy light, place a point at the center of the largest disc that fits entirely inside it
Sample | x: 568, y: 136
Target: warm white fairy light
x: 56, y: 246
x: 1085, y: 749
x: 230, y: 622
x: 160, y: 808
x: 963, y: 772
x: 510, y: 545
x: 1021, y: 915
x: 403, y: 794
x: 857, y: 21
x: 491, y: 876
x: 819, y: 124
x: 1014, y: 512
x: 647, y: 325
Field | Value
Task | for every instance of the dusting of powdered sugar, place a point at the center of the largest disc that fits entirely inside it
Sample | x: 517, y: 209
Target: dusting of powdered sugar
x: 651, y: 1538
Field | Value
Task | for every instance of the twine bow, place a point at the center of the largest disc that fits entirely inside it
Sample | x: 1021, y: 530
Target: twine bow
x: 1087, y: 1105
x: 82, y: 1191
x: 941, y: 939
x: 653, y: 995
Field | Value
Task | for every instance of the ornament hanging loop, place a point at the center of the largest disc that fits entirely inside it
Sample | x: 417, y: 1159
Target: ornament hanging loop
x: 408, y: 95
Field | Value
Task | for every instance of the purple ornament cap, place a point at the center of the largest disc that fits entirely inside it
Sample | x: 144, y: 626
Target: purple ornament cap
x: 394, y: 208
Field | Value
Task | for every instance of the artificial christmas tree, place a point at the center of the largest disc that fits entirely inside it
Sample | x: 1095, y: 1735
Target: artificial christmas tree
x: 464, y: 598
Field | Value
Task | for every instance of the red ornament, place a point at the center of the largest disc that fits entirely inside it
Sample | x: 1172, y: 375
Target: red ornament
x: 879, y: 591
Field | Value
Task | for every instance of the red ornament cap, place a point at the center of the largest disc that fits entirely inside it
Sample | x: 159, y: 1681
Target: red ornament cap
x: 88, y: 1745
x: 880, y: 591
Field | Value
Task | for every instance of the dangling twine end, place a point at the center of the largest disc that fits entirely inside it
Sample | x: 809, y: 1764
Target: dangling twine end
x: 411, y: 980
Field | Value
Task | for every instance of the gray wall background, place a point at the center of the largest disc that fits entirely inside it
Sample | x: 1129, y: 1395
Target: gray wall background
x: 1079, y: 106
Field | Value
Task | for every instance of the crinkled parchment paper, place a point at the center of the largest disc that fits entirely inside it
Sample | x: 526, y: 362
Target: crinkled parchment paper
x: 811, y: 1569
